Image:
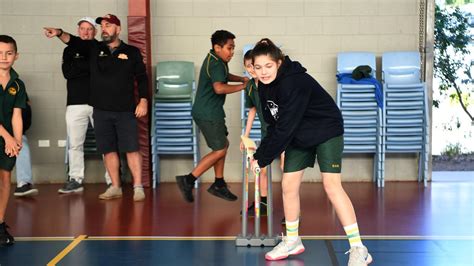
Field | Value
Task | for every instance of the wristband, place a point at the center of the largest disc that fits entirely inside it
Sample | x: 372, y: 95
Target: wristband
x: 59, y: 35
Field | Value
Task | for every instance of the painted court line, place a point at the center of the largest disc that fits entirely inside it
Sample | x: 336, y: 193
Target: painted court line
x: 211, y: 238
x: 331, y: 252
x: 192, y: 238
x: 45, y: 238
x: 304, y: 237
x: 68, y: 249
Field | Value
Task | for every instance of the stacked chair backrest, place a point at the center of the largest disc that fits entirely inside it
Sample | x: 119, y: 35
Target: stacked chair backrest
x: 348, y: 61
x: 174, y: 80
x: 401, y: 68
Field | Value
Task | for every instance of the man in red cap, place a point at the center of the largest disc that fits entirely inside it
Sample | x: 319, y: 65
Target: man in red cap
x: 114, y: 68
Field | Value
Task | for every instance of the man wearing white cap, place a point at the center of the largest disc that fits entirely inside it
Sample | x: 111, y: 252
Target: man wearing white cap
x: 75, y: 68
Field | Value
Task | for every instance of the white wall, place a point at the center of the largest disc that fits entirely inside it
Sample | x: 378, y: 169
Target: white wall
x: 311, y: 31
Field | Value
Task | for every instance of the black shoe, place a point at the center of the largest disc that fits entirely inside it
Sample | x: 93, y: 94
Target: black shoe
x: 185, y: 187
x: 25, y: 190
x: 251, y: 209
x: 222, y: 192
x: 71, y: 186
x: 5, y: 238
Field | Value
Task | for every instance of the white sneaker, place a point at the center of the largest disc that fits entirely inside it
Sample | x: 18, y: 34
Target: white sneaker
x: 138, y: 194
x: 285, y: 249
x: 111, y: 193
x: 359, y: 256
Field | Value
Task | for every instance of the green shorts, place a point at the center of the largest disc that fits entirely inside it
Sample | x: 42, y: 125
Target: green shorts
x: 215, y: 133
x: 6, y: 163
x: 329, y: 155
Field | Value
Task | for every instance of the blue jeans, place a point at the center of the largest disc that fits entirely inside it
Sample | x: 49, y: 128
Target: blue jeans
x: 23, y: 165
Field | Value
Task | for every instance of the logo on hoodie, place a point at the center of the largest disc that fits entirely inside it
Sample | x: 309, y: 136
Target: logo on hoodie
x: 273, y: 107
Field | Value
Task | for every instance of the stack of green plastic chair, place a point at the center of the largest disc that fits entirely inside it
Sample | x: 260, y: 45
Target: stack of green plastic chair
x: 173, y: 130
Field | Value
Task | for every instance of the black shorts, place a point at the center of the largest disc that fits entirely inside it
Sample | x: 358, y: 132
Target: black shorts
x: 115, y: 131
x: 6, y: 163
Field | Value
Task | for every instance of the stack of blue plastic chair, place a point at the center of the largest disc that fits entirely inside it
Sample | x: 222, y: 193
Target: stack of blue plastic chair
x: 362, y: 116
x: 173, y: 130
x: 406, y: 121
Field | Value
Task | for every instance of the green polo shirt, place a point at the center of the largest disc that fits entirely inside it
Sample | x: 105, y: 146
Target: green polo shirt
x: 12, y: 96
x: 252, y: 100
x: 208, y: 105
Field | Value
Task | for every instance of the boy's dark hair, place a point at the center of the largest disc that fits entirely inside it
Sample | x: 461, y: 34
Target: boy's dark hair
x: 266, y: 47
x: 248, y: 55
x: 220, y: 37
x: 8, y: 39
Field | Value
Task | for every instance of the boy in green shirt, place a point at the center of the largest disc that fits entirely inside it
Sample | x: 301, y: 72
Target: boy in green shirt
x: 208, y: 113
x: 252, y: 101
x: 12, y: 100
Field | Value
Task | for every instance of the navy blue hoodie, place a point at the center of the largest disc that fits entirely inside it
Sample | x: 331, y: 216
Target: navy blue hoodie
x: 299, y: 112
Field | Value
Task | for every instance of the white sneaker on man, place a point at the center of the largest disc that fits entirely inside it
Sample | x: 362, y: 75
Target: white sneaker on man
x: 138, y: 194
x: 111, y: 193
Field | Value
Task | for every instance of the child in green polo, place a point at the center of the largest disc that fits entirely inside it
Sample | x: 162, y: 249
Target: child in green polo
x: 252, y: 102
x: 208, y: 113
x: 12, y: 100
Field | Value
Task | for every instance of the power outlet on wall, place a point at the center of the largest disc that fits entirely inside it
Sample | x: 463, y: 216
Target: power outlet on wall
x: 61, y: 143
x: 43, y: 143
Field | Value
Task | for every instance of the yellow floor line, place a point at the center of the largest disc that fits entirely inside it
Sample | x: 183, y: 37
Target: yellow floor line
x: 68, y: 249
x: 45, y: 238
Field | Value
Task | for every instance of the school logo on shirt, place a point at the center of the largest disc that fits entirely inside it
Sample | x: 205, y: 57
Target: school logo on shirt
x: 12, y: 91
x: 102, y: 54
x: 123, y: 56
x: 273, y: 107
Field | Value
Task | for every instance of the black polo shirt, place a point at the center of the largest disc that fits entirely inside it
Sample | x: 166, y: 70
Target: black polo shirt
x: 113, y: 74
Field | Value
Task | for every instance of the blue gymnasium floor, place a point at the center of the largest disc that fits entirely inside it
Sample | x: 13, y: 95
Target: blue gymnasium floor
x: 207, y: 251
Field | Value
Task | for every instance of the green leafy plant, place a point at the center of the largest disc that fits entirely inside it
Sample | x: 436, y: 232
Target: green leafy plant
x: 452, y: 150
x: 451, y: 48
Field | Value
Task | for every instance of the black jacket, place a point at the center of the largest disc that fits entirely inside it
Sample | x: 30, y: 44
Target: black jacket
x: 299, y: 112
x: 75, y: 68
x: 26, y: 115
x: 113, y: 74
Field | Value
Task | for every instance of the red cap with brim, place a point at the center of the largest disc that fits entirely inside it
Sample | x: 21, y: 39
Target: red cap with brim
x: 109, y: 18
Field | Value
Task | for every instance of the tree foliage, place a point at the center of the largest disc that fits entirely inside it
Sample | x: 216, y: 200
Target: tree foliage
x: 452, y: 40
x: 458, y: 2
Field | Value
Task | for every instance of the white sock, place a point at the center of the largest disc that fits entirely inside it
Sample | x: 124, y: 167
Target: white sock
x: 292, y: 230
x: 352, y: 232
